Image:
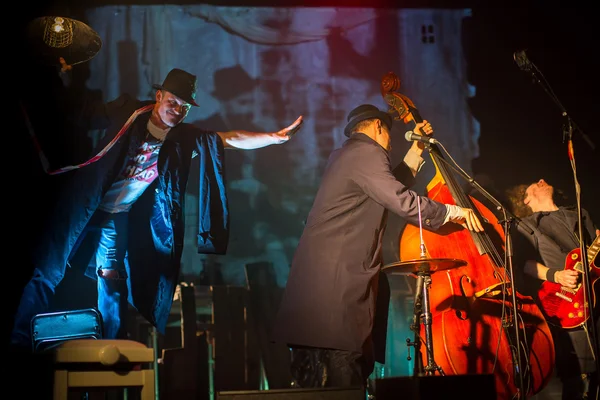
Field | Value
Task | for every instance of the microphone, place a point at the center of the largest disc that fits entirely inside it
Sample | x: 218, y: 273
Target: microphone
x: 522, y: 60
x: 410, y: 136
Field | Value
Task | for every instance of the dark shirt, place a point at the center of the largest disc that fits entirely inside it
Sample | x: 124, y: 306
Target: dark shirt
x: 555, y: 234
x: 548, y: 238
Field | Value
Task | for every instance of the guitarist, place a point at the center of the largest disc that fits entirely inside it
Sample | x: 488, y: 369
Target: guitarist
x: 548, y: 233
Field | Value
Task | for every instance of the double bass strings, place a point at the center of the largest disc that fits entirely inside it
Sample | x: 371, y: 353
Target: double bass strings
x: 487, y: 244
x: 482, y: 237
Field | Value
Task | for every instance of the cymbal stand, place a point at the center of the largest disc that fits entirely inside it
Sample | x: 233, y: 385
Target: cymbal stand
x: 422, y: 313
x: 431, y: 367
x: 418, y: 368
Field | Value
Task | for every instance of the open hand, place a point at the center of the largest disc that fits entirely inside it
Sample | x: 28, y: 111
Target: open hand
x: 286, y: 133
x: 468, y: 219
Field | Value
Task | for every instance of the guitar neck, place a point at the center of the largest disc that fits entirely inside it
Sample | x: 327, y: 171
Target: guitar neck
x: 593, y: 250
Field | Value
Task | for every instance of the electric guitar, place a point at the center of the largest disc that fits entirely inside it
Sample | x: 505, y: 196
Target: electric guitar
x: 570, y: 308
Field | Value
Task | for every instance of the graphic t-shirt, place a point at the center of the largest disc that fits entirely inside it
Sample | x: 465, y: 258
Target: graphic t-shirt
x: 139, y: 172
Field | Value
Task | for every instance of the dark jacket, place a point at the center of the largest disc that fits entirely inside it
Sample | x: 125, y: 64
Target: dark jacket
x: 156, y: 219
x: 332, y: 290
x: 550, y: 242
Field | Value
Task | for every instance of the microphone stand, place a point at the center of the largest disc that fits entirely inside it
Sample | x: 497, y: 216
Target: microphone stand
x: 528, y: 68
x: 590, y: 322
x: 509, y: 265
x: 568, y: 128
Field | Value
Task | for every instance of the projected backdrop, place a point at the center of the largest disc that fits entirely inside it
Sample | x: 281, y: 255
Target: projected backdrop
x: 258, y: 69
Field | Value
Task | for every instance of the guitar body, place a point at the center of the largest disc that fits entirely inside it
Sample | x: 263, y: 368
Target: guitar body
x: 570, y: 308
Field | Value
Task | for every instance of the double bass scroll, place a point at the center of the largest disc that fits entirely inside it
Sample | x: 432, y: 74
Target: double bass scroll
x: 475, y: 329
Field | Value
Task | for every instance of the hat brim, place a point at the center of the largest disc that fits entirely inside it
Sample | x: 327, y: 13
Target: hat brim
x: 189, y: 101
x: 383, y: 116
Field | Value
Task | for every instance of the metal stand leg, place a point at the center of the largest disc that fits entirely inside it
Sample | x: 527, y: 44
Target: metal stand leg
x: 423, y: 268
x: 418, y: 369
x: 431, y: 366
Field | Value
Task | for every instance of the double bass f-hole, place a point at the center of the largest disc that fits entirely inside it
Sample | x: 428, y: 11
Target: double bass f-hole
x: 464, y: 314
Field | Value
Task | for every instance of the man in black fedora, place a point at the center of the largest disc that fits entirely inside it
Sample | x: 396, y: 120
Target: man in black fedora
x: 334, y: 311
x: 125, y: 206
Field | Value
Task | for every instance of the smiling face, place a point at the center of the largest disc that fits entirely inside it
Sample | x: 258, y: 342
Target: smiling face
x: 169, y: 110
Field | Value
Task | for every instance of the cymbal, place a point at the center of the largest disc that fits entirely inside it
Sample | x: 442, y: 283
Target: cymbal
x: 52, y: 37
x: 423, y: 265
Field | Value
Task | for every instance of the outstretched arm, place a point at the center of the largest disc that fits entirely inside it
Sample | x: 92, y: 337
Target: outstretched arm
x: 254, y: 140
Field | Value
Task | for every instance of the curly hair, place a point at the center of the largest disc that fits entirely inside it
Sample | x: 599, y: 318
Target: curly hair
x: 516, y: 200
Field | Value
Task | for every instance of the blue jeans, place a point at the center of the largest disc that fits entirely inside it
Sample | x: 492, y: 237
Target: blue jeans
x: 112, y: 287
x: 112, y: 274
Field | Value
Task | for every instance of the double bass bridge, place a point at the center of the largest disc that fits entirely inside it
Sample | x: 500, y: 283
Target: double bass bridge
x: 492, y: 291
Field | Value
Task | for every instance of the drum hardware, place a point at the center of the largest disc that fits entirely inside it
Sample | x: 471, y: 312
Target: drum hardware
x: 423, y: 268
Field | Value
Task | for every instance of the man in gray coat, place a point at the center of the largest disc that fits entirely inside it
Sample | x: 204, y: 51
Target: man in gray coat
x: 330, y: 304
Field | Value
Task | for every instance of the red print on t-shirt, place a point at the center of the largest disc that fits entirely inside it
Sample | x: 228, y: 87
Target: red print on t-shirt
x: 142, y: 167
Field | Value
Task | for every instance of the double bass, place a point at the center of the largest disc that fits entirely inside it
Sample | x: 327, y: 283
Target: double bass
x: 480, y: 323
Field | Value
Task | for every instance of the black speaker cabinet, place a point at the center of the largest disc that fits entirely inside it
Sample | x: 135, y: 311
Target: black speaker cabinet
x: 295, y: 394
x: 435, y: 387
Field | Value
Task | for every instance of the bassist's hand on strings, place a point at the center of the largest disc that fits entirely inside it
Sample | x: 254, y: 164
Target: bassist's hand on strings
x: 463, y: 216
